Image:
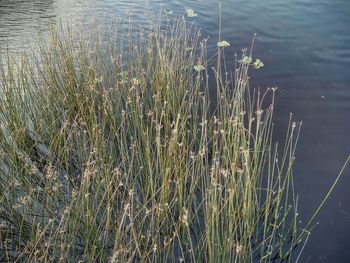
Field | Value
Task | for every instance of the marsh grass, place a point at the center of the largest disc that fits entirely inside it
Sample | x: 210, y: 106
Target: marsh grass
x: 113, y: 150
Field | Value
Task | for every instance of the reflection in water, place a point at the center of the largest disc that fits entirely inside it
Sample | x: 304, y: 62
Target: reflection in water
x: 305, y: 45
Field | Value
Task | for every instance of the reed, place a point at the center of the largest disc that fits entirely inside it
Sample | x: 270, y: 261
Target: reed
x: 112, y: 149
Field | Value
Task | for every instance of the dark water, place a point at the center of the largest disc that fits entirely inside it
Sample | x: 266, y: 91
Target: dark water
x: 305, y: 45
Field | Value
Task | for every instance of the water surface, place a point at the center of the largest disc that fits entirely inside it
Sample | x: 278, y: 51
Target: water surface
x: 305, y: 45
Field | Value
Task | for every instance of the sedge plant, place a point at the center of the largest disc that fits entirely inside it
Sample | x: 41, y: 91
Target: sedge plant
x: 114, y: 149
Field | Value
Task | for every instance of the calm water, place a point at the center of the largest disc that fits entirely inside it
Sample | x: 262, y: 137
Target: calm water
x: 305, y: 45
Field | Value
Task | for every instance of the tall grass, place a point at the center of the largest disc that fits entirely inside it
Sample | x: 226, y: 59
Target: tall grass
x: 113, y: 150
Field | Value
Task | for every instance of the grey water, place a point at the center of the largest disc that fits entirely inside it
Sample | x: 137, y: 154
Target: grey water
x: 305, y: 45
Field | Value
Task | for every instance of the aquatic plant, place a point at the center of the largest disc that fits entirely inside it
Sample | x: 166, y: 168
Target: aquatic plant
x: 258, y: 64
x: 191, y: 13
x: 199, y: 68
x: 117, y: 152
x: 223, y: 43
x: 246, y: 60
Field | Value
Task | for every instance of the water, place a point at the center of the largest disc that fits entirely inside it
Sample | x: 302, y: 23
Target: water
x: 305, y: 45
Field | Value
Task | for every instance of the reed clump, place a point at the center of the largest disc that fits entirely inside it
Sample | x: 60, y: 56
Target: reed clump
x: 113, y: 150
